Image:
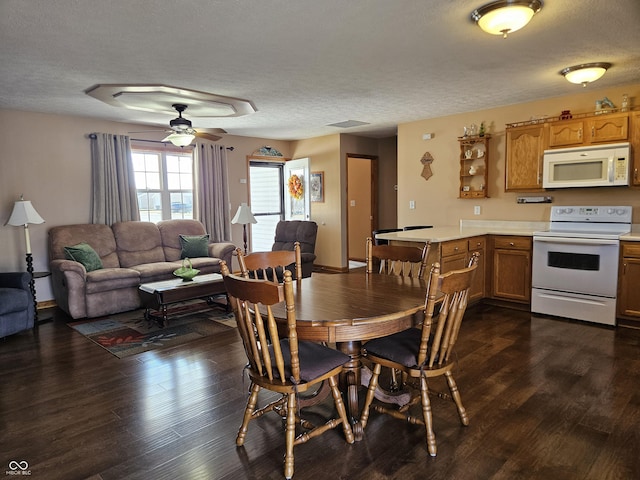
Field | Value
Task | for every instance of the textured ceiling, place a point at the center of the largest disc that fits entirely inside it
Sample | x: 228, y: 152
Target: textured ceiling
x: 305, y: 64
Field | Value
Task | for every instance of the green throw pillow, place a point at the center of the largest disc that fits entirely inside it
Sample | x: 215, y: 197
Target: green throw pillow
x: 84, y: 254
x: 194, y: 246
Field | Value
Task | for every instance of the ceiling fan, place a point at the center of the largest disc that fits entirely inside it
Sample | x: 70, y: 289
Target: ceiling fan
x: 182, y: 133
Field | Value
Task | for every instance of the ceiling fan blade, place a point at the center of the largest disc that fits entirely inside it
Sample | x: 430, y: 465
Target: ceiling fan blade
x: 208, y: 136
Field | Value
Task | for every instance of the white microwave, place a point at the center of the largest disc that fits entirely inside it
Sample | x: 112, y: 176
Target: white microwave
x: 595, y: 166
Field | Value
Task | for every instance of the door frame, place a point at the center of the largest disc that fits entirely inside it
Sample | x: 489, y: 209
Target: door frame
x: 373, y: 182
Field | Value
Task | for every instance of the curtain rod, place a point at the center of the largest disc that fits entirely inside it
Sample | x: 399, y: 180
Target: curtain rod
x: 93, y: 136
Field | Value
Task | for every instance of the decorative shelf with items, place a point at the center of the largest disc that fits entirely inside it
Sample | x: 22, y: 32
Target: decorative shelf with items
x: 474, y: 162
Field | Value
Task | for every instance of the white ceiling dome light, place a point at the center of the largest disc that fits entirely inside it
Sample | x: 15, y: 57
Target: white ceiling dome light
x: 505, y: 16
x: 585, y: 73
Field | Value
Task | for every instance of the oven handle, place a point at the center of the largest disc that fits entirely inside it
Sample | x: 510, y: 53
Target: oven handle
x: 576, y: 241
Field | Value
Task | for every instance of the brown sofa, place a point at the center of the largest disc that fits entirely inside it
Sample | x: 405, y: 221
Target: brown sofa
x: 131, y: 253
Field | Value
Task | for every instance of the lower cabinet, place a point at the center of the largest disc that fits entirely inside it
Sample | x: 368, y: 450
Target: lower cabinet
x: 629, y: 273
x: 455, y: 255
x: 511, y: 274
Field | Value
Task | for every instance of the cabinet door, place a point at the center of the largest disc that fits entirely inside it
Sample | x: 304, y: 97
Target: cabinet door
x: 609, y: 128
x: 453, y: 262
x: 629, y: 301
x: 566, y: 133
x: 512, y: 275
x: 525, y: 149
x: 634, y: 137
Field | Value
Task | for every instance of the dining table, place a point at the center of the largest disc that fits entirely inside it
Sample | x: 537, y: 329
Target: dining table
x: 347, y: 309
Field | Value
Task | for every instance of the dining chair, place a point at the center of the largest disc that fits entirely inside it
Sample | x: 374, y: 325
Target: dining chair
x: 424, y: 352
x: 397, y: 259
x: 271, y: 265
x: 282, y: 364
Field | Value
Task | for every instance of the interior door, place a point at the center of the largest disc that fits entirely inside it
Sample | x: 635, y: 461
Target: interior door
x: 361, y: 201
x: 297, y: 196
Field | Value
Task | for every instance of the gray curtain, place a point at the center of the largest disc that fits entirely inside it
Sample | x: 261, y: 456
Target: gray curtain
x: 212, y: 190
x: 114, y: 196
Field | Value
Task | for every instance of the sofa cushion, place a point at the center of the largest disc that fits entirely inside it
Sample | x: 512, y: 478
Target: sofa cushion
x: 84, y: 254
x: 137, y: 243
x: 150, y: 272
x: 170, y: 231
x: 99, y: 236
x: 194, y: 246
x: 111, y: 279
x: 14, y: 300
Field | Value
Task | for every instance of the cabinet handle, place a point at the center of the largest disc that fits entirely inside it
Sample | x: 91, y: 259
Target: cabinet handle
x: 580, y: 133
x: 593, y: 132
x: 635, y: 174
x: 511, y: 243
x: 455, y: 249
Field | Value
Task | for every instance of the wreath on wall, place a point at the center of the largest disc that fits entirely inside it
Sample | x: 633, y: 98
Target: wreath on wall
x: 296, y: 190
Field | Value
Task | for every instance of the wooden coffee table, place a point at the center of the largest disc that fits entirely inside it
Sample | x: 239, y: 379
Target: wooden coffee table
x: 159, y: 295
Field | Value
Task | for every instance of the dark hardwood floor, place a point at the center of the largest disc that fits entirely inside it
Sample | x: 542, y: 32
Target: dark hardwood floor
x: 547, y: 399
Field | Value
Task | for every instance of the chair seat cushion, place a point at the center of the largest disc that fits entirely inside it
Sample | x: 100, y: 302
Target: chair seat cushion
x: 13, y: 300
x: 315, y: 359
x: 401, y: 347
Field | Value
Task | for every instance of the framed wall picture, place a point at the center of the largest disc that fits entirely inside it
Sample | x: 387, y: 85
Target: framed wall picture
x: 317, y: 186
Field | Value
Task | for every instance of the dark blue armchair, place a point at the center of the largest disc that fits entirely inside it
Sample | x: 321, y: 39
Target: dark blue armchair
x: 17, y: 311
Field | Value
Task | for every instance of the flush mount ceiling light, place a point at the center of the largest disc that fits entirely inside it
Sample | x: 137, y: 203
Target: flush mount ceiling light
x: 505, y: 16
x: 585, y: 72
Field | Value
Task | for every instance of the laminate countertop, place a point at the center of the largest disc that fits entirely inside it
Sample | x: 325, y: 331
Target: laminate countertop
x: 472, y: 228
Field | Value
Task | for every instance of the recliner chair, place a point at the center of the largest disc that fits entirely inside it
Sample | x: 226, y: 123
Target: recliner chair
x: 288, y: 232
x: 17, y: 310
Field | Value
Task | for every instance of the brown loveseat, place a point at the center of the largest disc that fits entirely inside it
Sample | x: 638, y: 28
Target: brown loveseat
x: 130, y: 253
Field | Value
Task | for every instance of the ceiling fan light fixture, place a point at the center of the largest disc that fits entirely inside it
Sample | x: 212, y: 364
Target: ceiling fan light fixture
x: 505, y: 16
x: 585, y: 73
x: 180, y: 139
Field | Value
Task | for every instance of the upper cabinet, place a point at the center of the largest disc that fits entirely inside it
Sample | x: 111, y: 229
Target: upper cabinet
x: 605, y: 128
x: 525, y: 149
x: 527, y: 141
x: 634, y: 137
x: 474, y: 166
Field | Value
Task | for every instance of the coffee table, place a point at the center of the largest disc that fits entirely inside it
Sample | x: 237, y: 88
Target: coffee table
x: 159, y: 295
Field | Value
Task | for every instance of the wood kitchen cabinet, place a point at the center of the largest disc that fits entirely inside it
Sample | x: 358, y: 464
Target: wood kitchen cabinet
x: 525, y: 150
x: 455, y: 254
x: 604, y: 128
x: 511, y: 273
x: 628, y: 307
x: 634, y: 137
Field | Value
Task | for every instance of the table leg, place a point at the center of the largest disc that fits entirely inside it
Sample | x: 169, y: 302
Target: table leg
x: 350, y: 384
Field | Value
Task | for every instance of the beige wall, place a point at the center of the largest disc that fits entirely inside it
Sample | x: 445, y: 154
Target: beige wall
x: 47, y: 158
x: 437, y: 199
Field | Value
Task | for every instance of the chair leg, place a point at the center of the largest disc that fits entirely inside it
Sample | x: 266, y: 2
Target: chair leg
x: 453, y: 388
x: 342, y: 411
x: 428, y: 418
x: 371, y: 390
x: 248, y: 414
x: 290, y: 435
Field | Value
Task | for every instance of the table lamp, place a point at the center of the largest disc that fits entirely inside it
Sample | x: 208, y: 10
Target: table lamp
x: 244, y: 216
x: 22, y: 215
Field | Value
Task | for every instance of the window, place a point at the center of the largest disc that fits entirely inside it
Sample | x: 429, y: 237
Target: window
x: 266, y: 202
x: 164, y: 184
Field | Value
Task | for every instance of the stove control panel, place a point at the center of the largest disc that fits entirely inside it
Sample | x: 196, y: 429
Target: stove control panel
x: 604, y: 214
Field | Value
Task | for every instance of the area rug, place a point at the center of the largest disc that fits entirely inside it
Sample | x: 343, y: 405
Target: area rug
x: 129, y: 333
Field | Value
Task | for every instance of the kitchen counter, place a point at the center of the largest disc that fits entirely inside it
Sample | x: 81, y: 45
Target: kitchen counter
x: 466, y: 229
x: 634, y: 236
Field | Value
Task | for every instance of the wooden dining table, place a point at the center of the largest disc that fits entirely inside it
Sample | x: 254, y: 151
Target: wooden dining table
x: 350, y: 308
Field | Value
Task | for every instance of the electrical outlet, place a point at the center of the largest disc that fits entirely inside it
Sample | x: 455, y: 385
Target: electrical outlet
x: 476, y: 210
x: 412, y: 204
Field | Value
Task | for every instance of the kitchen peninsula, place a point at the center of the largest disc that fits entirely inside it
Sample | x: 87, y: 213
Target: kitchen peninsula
x: 505, y: 247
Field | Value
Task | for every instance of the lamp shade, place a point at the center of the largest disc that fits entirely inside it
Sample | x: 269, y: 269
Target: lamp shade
x: 585, y: 73
x: 180, y: 139
x: 244, y: 215
x: 23, y: 213
x: 505, y: 16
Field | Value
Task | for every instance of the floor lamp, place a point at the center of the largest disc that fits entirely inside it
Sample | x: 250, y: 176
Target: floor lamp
x: 244, y: 216
x: 22, y: 215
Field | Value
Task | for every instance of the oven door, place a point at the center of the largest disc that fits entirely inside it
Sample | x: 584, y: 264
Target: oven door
x: 579, y: 265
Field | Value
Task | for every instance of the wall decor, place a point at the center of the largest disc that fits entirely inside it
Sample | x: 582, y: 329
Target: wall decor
x: 317, y: 186
x: 426, y: 160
